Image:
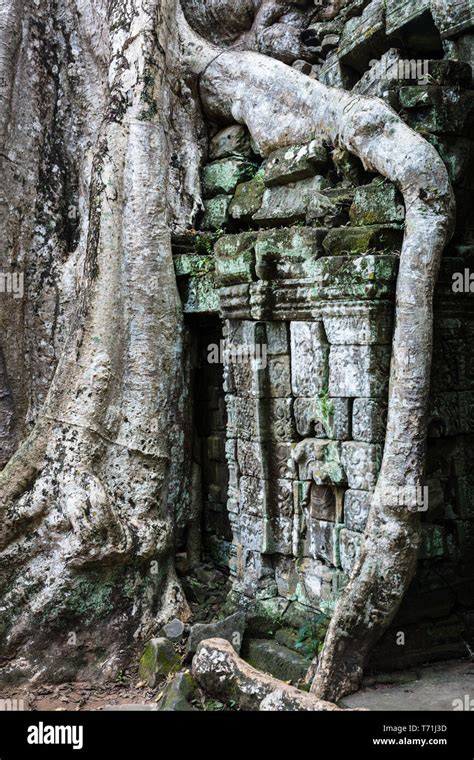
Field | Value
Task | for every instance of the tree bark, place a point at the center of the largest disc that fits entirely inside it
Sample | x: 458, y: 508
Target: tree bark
x: 86, y: 518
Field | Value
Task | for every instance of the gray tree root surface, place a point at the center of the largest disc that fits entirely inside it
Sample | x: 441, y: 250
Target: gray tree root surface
x: 223, y: 674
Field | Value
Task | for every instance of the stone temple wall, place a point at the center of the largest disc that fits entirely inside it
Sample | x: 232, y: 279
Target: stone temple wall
x: 297, y: 256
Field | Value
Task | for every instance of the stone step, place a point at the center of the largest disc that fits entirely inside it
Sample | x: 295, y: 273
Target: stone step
x: 274, y: 658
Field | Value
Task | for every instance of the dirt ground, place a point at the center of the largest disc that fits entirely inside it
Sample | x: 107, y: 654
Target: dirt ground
x: 79, y: 696
x: 432, y: 687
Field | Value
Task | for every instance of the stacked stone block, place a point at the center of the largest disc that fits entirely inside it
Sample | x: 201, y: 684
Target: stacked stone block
x: 300, y: 253
x: 320, y: 301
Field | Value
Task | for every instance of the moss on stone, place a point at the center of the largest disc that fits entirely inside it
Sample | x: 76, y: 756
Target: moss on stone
x: 370, y: 276
x: 216, y: 212
x: 247, y: 199
x: 193, y: 266
x: 361, y: 240
x: 146, y: 666
x: 222, y: 177
x: 235, y: 258
x: 377, y: 203
x: 159, y: 658
x: 199, y: 293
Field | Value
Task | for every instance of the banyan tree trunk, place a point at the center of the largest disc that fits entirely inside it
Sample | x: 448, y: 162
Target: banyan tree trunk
x: 86, y: 518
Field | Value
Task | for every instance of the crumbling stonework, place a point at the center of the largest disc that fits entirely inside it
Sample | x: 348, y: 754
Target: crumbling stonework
x: 299, y: 254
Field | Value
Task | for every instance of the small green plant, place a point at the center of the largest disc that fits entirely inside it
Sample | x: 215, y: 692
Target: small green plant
x: 327, y: 404
x: 204, y: 244
x: 311, y: 635
x: 213, y: 705
x: 259, y: 175
x: 204, y: 241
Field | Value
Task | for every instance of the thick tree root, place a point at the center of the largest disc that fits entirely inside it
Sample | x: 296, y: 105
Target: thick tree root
x: 223, y: 674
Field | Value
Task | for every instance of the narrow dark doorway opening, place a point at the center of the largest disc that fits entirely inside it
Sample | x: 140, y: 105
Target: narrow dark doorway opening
x: 209, y: 438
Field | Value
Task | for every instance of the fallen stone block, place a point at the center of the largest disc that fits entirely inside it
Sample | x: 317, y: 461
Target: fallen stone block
x: 288, y: 637
x: 175, y: 698
x: 265, y: 616
x: 173, y: 630
x: 223, y: 674
x: 271, y: 657
x: 159, y: 659
x: 231, y: 630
